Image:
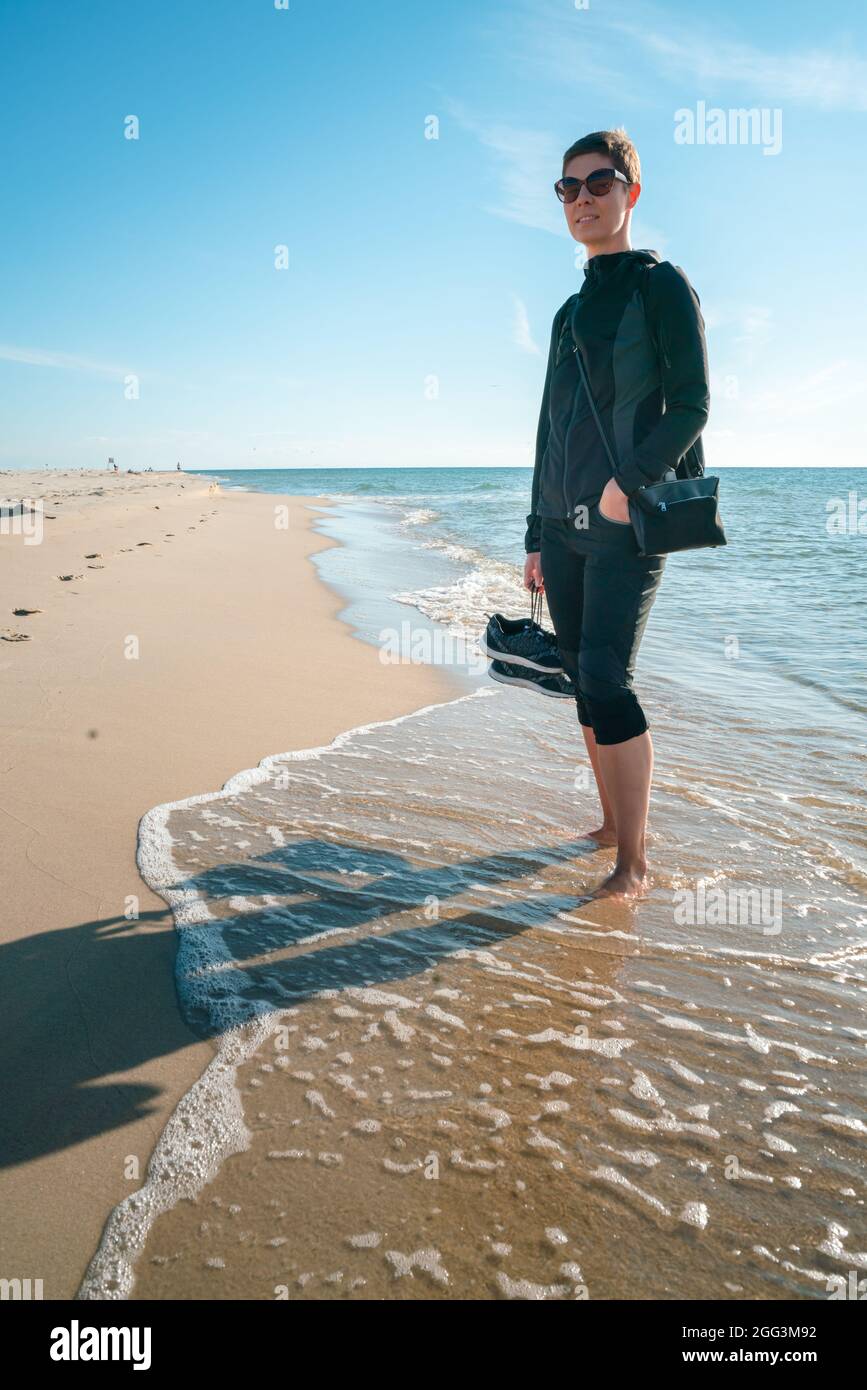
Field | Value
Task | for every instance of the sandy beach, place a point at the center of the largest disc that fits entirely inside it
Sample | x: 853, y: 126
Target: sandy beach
x: 307, y: 995
x: 147, y: 598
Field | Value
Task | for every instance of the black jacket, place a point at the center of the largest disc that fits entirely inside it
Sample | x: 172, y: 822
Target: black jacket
x: 639, y: 326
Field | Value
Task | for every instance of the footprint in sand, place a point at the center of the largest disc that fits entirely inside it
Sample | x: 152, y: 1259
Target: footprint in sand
x: 25, y: 612
x: 144, y: 542
x: 67, y: 577
x: 8, y: 635
x: 97, y: 555
x: 96, y: 567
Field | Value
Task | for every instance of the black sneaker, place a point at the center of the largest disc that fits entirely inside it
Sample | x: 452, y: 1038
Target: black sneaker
x: 558, y: 685
x: 521, y: 642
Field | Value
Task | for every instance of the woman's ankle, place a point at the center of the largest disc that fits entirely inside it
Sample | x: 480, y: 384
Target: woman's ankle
x: 634, y: 864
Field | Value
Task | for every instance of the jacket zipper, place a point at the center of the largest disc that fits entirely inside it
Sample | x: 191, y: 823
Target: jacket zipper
x: 677, y: 502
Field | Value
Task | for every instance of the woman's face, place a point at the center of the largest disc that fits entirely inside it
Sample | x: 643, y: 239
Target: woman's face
x: 592, y: 219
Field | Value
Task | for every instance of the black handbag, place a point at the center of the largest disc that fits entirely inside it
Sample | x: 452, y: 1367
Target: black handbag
x: 681, y: 514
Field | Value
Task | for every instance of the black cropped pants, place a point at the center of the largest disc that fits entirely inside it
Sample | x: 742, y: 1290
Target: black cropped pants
x: 600, y: 592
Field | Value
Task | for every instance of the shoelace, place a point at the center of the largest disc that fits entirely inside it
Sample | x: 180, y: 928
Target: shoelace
x: 536, y: 602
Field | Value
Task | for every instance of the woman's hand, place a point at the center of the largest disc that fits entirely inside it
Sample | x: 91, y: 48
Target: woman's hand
x: 533, y: 572
x: 614, y: 504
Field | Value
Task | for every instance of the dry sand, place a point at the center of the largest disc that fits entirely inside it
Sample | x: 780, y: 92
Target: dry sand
x: 239, y: 646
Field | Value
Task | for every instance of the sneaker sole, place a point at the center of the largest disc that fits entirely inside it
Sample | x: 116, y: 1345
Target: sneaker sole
x: 530, y: 685
x: 519, y: 660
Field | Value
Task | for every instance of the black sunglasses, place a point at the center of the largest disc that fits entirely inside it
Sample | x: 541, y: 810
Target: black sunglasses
x: 599, y: 182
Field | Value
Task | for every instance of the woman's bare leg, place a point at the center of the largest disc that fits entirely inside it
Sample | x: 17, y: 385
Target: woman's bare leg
x: 607, y: 832
x: 627, y: 771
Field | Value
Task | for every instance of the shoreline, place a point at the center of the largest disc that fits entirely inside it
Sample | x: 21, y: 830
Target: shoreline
x: 212, y: 1110
x: 91, y: 1088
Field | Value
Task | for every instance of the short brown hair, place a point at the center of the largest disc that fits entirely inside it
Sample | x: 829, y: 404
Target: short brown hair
x: 616, y: 144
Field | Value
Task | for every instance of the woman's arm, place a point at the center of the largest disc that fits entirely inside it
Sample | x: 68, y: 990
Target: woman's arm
x: 534, y: 525
x: 676, y: 320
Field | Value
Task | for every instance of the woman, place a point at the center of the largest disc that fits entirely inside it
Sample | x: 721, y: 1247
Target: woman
x: 637, y: 323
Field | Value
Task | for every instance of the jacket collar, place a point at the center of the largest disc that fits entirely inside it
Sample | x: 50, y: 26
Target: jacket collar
x: 600, y: 266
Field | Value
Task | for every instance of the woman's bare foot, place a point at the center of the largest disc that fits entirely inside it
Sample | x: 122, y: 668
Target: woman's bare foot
x: 605, y: 835
x: 623, y: 882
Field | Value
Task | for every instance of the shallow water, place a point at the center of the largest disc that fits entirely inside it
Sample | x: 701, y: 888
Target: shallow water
x: 441, y: 1069
x: 462, y: 1078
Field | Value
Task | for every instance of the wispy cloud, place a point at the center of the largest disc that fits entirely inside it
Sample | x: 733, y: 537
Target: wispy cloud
x: 741, y: 331
x: 756, y: 326
x: 522, y: 335
x: 523, y: 162
x: 68, y: 361
x: 831, y: 78
x: 837, y: 384
x: 556, y: 41
x: 156, y: 439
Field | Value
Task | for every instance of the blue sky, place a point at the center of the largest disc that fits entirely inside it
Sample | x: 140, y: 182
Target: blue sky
x: 409, y: 259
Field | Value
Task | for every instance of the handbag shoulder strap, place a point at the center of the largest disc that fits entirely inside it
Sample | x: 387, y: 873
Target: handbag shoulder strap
x: 586, y: 382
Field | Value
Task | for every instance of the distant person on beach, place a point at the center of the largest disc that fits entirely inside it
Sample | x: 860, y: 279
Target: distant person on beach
x: 637, y: 323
